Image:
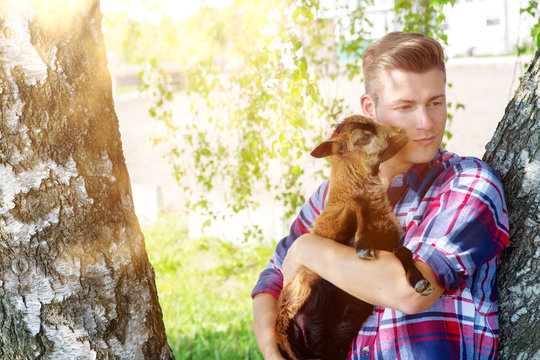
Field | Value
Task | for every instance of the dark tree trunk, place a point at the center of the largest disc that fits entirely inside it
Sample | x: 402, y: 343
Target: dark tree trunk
x: 514, y: 151
x: 75, y: 281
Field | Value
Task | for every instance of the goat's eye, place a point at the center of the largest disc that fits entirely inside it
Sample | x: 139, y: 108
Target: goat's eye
x: 364, y: 138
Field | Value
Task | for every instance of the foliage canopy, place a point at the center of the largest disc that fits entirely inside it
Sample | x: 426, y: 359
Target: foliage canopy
x: 255, y: 73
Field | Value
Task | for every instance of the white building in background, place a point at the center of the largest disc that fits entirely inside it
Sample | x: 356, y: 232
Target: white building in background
x: 474, y: 27
x: 486, y: 27
x: 382, y: 16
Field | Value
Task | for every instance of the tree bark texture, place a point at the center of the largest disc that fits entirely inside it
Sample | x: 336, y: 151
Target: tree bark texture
x: 75, y: 281
x: 514, y: 151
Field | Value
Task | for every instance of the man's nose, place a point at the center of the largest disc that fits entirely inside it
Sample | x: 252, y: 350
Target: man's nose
x: 423, y: 119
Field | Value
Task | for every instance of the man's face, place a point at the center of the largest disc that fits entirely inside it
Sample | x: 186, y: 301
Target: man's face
x: 417, y: 104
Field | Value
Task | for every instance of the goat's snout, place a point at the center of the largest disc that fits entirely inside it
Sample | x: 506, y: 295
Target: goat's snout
x: 399, y: 137
x: 394, y: 139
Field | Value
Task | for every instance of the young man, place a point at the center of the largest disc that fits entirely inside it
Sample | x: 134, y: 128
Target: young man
x: 454, y: 219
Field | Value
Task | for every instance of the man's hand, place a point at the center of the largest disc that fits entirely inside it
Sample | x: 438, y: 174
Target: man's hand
x: 291, y: 266
x: 275, y: 357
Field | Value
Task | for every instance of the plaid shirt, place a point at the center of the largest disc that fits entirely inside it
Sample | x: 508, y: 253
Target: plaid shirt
x: 454, y: 219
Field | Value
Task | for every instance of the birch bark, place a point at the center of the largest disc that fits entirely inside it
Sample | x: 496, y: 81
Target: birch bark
x: 514, y: 151
x: 75, y: 281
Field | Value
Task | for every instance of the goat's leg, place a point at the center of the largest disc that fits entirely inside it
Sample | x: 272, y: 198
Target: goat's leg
x: 292, y: 298
x: 362, y: 243
x: 363, y: 249
x: 336, y: 222
x: 295, y: 294
x: 415, y: 277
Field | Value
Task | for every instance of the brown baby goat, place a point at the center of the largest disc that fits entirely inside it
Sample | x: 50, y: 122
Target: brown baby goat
x: 317, y: 320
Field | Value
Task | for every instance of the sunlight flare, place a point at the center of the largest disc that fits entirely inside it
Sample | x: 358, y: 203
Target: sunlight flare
x: 57, y: 14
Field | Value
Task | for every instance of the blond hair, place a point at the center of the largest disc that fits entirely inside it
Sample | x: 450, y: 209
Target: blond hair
x: 411, y: 52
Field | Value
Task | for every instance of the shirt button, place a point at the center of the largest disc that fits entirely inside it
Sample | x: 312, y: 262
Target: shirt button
x: 365, y: 349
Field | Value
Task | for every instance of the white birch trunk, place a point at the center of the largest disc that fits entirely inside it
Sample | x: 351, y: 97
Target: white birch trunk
x: 514, y: 152
x: 75, y: 281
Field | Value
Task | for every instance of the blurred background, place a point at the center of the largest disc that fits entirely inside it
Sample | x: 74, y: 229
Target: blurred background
x: 220, y: 102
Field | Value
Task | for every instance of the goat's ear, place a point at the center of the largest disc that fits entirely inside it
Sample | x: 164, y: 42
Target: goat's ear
x: 327, y: 148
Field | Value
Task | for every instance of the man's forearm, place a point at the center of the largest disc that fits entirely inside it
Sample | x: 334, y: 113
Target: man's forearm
x: 380, y: 282
x: 264, y: 319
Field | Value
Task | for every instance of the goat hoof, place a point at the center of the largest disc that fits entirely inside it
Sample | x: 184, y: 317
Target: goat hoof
x: 423, y: 287
x: 366, y: 254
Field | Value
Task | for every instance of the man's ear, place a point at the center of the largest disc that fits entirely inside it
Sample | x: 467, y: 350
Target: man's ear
x: 327, y: 148
x: 368, y: 106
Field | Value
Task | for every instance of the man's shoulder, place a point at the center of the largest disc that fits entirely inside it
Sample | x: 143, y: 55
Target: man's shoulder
x: 468, y: 171
x: 317, y: 200
x: 464, y: 165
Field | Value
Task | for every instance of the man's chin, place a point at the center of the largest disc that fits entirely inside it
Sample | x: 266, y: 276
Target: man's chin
x: 422, y: 156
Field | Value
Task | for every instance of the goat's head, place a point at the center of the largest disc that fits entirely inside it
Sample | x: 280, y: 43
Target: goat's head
x: 360, y: 135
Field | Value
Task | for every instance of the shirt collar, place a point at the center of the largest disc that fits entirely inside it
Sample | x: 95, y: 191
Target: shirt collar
x: 418, y: 172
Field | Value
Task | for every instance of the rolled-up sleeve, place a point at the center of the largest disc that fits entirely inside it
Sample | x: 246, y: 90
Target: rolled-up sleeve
x: 464, y: 226
x: 271, y: 279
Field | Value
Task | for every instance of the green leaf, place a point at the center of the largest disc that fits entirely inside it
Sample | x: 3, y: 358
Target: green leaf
x: 302, y: 64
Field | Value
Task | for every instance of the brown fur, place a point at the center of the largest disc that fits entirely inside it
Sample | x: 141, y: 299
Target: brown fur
x: 316, y: 319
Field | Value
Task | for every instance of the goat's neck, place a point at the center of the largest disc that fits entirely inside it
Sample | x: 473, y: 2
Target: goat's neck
x: 350, y: 177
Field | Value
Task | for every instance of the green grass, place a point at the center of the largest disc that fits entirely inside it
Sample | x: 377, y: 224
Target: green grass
x: 204, y: 288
